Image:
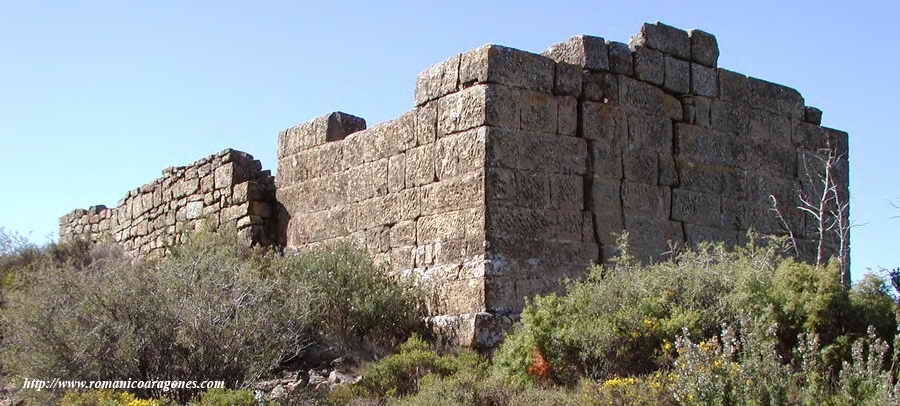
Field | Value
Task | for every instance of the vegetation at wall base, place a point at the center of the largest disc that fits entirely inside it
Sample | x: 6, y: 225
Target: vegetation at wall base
x: 210, y: 310
x: 709, y: 326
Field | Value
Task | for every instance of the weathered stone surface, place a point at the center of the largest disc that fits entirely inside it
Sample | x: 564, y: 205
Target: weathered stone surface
x: 704, y: 81
x: 649, y: 65
x: 331, y: 127
x: 513, y: 171
x: 568, y: 80
x: 583, y: 50
x: 678, y: 75
x: 620, y: 58
x: 812, y: 115
x: 704, y: 48
x: 664, y: 38
x: 507, y: 66
x: 438, y: 80
x: 648, y: 98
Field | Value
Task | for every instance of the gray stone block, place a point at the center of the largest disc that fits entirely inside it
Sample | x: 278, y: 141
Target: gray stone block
x: 601, y: 87
x: 437, y: 81
x: 582, y: 50
x: 696, y: 110
x: 733, y: 86
x: 704, y: 48
x: 776, y: 98
x: 812, y: 115
x: 665, y: 38
x: 568, y: 80
x: 704, y: 81
x: 696, y: 208
x: 507, y: 66
x: 649, y: 65
x: 620, y: 59
x: 678, y: 75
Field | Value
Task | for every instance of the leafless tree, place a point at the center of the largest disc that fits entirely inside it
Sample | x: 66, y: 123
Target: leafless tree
x: 824, y: 201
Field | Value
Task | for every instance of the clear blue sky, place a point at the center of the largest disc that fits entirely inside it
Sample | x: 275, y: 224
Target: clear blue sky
x: 96, y: 98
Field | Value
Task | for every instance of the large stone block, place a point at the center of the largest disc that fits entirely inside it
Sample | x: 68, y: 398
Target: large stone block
x: 507, y: 66
x: 704, y: 80
x: 697, y: 233
x: 704, y: 48
x: 696, y: 110
x: 648, y: 98
x: 646, y: 200
x: 711, y: 179
x: 730, y: 117
x: 733, y: 86
x: 600, y: 87
x: 649, y: 65
x: 651, y: 239
x: 568, y: 80
x: 331, y: 127
x: 604, y: 122
x: 536, y: 151
x: 709, y: 147
x: 696, y: 208
x: 776, y: 98
x: 582, y: 50
x: 665, y: 38
x: 678, y: 75
x: 620, y: 58
x: 438, y: 80
x: 494, y: 105
x: 606, y: 159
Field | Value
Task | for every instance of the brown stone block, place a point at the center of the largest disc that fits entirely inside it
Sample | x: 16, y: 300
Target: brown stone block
x: 426, y: 123
x: 368, y: 180
x: 709, y: 147
x: 776, y: 98
x: 649, y: 98
x: 460, y: 153
x: 438, y: 80
x: 711, y: 179
x: 224, y: 178
x: 508, y: 66
x: 495, y: 105
x: 704, y: 47
x: 567, y: 116
x: 420, y: 165
x: 331, y: 127
x: 536, y: 151
x: 641, y: 166
x: 650, y: 239
x: 501, y: 186
x: 396, y: 173
x: 403, y: 234
x: 564, y: 225
x: 606, y: 159
x: 532, y: 189
x: 453, y: 194
x: 678, y: 75
x: 620, y: 58
x: 601, y: 87
x: 646, y: 200
x: 665, y: 38
x: 730, y: 117
x: 568, y: 80
x: 604, y: 122
x: 566, y: 192
x: 696, y: 207
x: 249, y: 190
x: 440, y: 227
x: 733, y: 86
x: 582, y: 50
x: 649, y: 65
x: 260, y: 209
x: 538, y: 111
x: 704, y: 80
x: 378, y: 240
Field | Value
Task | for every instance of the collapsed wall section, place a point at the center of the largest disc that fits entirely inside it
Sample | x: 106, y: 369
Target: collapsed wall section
x: 225, y: 188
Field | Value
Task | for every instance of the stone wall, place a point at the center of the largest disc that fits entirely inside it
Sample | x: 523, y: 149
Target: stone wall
x: 229, y: 187
x: 515, y: 170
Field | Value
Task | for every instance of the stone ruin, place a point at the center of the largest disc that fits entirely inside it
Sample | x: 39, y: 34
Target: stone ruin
x: 513, y: 171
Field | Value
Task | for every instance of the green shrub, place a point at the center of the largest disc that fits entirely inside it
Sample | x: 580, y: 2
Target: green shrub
x: 355, y: 303
x: 623, y: 320
x: 105, y: 397
x: 211, y: 310
x: 401, y: 374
